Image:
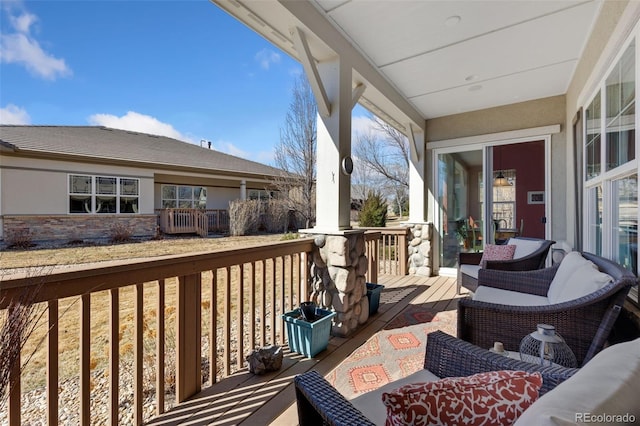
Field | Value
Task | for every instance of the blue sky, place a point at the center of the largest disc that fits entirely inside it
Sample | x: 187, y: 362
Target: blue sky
x: 183, y: 69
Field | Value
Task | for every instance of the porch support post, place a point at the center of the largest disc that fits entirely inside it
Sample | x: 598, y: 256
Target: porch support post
x: 417, y: 175
x: 333, y: 184
x: 339, y: 260
x: 420, y: 247
x: 243, y: 190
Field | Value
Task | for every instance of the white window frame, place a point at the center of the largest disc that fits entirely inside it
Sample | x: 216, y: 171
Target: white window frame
x: 177, y: 199
x: 606, y: 177
x: 94, y: 193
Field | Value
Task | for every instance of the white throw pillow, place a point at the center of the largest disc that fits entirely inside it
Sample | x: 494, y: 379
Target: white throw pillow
x: 585, y: 280
x: 524, y: 247
x: 570, y: 263
x: 608, y: 385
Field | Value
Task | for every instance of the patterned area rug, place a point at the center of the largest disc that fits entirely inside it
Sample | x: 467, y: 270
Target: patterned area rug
x: 392, y: 353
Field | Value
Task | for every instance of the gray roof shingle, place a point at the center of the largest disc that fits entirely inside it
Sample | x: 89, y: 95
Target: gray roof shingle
x: 97, y: 142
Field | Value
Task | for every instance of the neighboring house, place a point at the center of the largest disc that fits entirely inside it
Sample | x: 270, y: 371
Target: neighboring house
x: 77, y: 182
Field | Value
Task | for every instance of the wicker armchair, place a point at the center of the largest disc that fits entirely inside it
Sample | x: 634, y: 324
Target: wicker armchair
x: 534, y: 260
x: 320, y: 403
x: 585, y: 323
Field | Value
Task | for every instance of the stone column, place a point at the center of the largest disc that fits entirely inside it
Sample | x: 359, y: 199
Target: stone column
x: 420, y: 249
x: 338, y: 279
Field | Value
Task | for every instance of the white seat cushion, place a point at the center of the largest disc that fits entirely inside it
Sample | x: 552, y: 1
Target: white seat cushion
x: 576, y: 277
x: 508, y: 297
x: 370, y: 403
x: 609, y: 385
x: 524, y: 247
x: 471, y: 270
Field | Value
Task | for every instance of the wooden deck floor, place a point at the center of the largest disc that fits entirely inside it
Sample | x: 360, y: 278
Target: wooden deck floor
x: 247, y: 399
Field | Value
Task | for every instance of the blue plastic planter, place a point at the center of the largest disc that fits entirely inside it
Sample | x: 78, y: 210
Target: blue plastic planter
x: 373, y: 293
x: 308, y: 338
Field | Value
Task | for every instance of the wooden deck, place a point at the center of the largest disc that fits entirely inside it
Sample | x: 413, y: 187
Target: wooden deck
x: 247, y: 399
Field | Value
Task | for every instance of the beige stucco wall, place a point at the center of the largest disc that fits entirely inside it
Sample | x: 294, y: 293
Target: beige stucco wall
x: 519, y: 116
x: 39, y: 186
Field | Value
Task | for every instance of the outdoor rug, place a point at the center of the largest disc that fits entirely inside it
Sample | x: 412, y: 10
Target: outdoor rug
x: 392, y: 353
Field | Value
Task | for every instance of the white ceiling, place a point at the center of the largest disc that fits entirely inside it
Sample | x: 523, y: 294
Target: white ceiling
x: 442, y: 57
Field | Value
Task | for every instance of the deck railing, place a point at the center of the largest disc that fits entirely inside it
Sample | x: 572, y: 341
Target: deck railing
x: 189, y: 221
x: 173, y: 323
x: 390, y: 249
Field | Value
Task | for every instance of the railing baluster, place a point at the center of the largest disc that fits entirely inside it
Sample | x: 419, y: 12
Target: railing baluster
x: 160, y: 334
x: 213, y: 328
x: 240, y: 317
x: 114, y: 356
x: 263, y: 304
x: 85, y: 359
x: 273, y: 301
x: 291, y: 305
x: 138, y: 352
x: 252, y: 306
x: 227, y: 322
x: 52, y: 364
x: 282, y: 298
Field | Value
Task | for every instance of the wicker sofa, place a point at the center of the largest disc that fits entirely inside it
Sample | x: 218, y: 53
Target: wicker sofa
x: 531, y: 253
x: 445, y: 356
x: 515, y: 302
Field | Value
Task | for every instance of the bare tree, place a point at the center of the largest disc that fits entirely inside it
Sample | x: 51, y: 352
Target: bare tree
x: 385, y: 152
x: 296, y: 152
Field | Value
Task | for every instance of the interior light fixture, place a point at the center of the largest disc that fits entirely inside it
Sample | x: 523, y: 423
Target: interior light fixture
x: 500, y: 179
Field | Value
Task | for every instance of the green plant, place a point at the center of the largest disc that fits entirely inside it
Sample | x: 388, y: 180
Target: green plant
x: 290, y: 236
x: 374, y: 211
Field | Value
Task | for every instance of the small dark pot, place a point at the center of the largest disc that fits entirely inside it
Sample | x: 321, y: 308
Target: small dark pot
x: 308, y: 311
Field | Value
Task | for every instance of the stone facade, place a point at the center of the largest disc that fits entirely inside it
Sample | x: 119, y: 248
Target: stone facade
x: 420, y: 250
x: 74, y: 228
x: 338, y: 279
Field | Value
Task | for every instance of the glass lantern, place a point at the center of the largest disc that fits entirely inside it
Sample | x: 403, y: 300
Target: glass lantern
x: 545, y: 347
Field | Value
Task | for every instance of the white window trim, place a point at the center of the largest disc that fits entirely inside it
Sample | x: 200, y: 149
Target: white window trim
x: 94, y: 193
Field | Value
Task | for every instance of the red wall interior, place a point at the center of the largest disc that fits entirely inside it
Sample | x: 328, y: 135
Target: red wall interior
x: 528, y: 161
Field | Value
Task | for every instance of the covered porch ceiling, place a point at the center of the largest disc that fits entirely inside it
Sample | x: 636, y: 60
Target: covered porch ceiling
x: 425, y: 59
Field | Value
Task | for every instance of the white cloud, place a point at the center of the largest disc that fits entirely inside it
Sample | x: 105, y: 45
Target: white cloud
x: 22, y: 48
x: 229, y: 148
x: 264, y: 157
x: 137, y: 122
x: 12, y: 114
x: 267, y: 57
x: 364, y: 125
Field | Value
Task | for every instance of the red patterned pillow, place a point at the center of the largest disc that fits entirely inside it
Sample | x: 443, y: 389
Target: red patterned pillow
x: 493, y: 398
x: 497, y: 252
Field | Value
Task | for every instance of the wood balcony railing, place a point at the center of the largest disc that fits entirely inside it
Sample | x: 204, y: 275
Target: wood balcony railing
x: 163, y: 320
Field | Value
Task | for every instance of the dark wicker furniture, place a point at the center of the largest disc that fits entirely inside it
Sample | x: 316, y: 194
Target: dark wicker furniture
x: 320, y: 403
x: 585, y: 323
x: 535, y: 260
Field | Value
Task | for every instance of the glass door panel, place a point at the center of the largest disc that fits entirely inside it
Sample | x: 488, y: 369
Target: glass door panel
x: 460, y: 202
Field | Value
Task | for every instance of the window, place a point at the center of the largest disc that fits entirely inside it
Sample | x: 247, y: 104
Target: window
x: 504, y: 200
x: 611, y: 168
x: 103, y: 194
x: 184, y: 197
x: 621, y: 109
x: 261, y: 194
